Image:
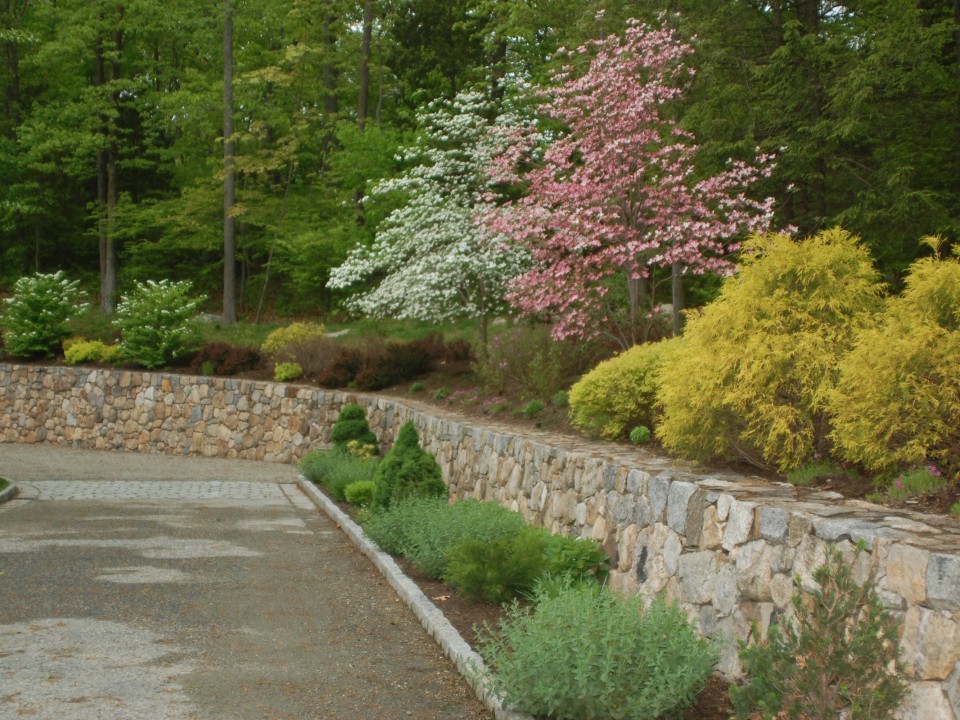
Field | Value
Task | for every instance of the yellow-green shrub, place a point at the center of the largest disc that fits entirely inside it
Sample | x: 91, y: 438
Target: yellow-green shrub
x: 287, y: 372
x: 620, y: 392
x: 79, y: 350
x: 898, y: 398
x: 294, y: 333
x: 756, y: 368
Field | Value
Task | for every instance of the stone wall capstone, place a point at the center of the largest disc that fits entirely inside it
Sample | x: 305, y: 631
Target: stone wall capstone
x: 726, y: 547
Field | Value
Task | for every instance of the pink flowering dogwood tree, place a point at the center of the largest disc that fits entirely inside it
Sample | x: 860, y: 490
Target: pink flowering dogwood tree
x: 615, y: 195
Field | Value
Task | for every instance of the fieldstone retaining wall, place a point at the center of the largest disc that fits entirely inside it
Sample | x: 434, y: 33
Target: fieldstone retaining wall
x: 725, y: 546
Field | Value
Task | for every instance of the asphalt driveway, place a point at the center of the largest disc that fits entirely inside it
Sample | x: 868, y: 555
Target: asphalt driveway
x: 146, y: 586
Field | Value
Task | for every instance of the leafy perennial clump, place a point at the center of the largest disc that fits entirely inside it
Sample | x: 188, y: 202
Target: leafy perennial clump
x: 36, y: 316
x: 157, y: 322
x: 586, y: 654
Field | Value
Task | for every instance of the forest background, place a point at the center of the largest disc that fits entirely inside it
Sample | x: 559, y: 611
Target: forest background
x: 114, y: 116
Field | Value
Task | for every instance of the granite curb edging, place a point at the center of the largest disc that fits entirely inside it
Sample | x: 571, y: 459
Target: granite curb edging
x: 9, y: 492
x: 468, y: 663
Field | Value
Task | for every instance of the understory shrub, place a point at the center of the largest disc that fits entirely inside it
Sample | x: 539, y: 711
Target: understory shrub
x: 425, y: 530
x: 754, y: 371
x: 836, y: 658
x: 342, y: 369
x: 352, y: 427
x: 394, y: 363
x: 287, y: 372
x: 588, y: 654
x: 621, y: 392
x: 224, y: 359
x: 526, y: 361
x: 897, y: 402
x: 36, y: 316
x: 335, y: 470
x: 157, y: 322
x: 918, y: 481
x: 359, y: 493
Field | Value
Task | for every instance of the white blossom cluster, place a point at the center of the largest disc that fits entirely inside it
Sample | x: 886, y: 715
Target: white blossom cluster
x: 436, y: 260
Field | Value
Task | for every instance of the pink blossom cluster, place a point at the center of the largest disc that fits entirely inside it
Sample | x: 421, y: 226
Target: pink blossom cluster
x: 616, y: 193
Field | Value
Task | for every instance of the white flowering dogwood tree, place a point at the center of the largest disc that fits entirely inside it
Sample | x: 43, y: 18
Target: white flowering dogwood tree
x: 431, y: 257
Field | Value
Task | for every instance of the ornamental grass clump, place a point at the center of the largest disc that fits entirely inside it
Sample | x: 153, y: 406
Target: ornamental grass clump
x: 407, y: 471
x: 157, y: 322
x: 587, y: 654
x: 755, y: 370
x: 897, y: 402
x: 36, y: 317
x: 837, y: 658
x: 335, y: 470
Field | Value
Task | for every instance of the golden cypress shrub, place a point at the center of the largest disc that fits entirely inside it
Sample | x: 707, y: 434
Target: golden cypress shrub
x: 898, y: 399
x: 756, y: 367
x: 620, y: 392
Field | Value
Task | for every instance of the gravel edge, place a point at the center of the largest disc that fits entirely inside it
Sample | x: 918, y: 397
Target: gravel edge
x: 468, y: 662
x: 9, y: 492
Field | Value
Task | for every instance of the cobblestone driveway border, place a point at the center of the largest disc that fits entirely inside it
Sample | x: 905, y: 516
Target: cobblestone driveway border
x: 467, y: 661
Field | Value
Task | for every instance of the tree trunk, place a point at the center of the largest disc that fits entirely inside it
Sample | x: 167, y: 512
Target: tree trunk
x: 364, y: 96
x: 103, y: 231
x: 638, y: 291
x: 229, y: 228
x: 108, y: 281
x: 678, y: 297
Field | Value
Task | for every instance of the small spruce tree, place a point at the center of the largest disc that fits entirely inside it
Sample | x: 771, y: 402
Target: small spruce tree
x: 407, y: 471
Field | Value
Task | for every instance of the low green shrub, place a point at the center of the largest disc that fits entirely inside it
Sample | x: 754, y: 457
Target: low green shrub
x: 36, y: 316
x: 531, y: 409
x: 561, y: 399
x: 955, y: 508
x: 640, y: 435
x: 359, y: 493
x: 500, y: 569
x: 836, y: 658
x: 496, y: 571
x: 157, y: 322
x: 407, y: 471
x: 621, y: 392
x: 416, y: 387
x: 756, y: 368
x: 287, y: 372
x: 277, y: 344
x: 577, y: 559
x: 587, y: 654
x: 897, y: 402
x: 352, y: 426
x: 335, y: 470
x: 441, y: 393
x: 425, y: 530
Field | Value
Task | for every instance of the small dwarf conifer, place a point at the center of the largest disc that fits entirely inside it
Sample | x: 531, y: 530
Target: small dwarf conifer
x: 407, y: 471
